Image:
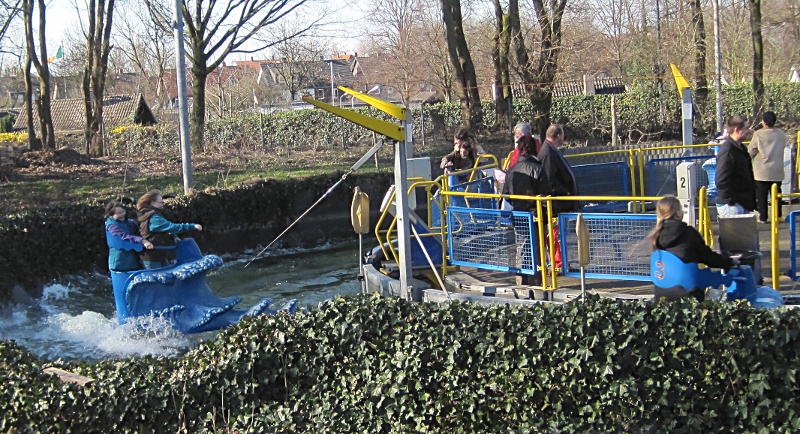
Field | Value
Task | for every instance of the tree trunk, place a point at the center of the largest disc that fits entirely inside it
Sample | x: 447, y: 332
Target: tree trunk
x: 758, y: 59
x: 701, y: 82
x: 502, y: 81
x: 198, y: 117
x: 458, y: 51
x: 539, y: 76
x: 42, y: 69
x: 34, y: 144
x: 98, y: 43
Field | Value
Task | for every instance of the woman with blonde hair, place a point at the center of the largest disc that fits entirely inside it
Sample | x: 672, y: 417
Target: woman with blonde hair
x: 158, y: 230
x: 673, y: 235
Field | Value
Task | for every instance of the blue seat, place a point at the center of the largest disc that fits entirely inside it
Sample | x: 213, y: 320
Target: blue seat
x: 668, y: 271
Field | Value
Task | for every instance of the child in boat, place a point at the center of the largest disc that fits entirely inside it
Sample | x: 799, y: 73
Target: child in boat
x: 675, y: 236
x: 158, y: 230
x: 118, y: 225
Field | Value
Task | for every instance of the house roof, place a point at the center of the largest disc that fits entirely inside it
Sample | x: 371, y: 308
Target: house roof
x: 602, y: 86
x: 68, y: 114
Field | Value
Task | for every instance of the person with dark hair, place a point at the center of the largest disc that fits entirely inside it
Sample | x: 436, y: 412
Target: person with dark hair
x: 522, y: 130
x: 675, y: 236
x: 562, y: 180
x: 526, y: 178
x: 736, y: 191
x: 463, y: 156
x: 118, y: 225
x: 766, y: 148
x: 158, y: 230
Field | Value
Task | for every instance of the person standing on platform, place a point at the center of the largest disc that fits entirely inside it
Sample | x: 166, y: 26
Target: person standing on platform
x: 736, y: 187
x: 526, y: 178
x: 562, y: 180
x: 766, y: 148
x: 522, y: 131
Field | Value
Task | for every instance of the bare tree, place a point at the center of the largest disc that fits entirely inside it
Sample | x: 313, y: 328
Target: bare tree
x: 45, y: 117
x: 758, y: 58
x: 464, y: 68
x: 503, y: 96
x: 10, y: 11
x: 215, y: 30
x: 297, y: 65
x: 539, y: 75
x: 395, y: 28
x: 98, y: 47
x: 149, y: 50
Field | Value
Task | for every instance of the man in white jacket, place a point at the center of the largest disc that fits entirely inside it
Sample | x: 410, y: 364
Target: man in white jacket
x: 766, y: 149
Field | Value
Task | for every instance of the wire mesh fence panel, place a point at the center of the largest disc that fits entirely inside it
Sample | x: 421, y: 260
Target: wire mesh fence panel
x: 662, y: 179
x: 492, y: 239
x: 602, y: 179
x: 481, y: 185
x: 794, y: 243
x: 617, y: 249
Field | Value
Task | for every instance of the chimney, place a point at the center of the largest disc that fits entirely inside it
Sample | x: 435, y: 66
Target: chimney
x: 251, y: 58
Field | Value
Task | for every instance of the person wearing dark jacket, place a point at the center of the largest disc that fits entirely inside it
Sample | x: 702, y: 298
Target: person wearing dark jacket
x: 528, y: 179
x: 736, y: 186
x: 463, y: 156
x: 562, y: 181
x: 158, y: 230
x: 118, y: 225
x: 675, y: 236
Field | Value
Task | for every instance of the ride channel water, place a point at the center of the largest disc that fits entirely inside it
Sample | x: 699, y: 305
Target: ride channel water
x: 76, y: 318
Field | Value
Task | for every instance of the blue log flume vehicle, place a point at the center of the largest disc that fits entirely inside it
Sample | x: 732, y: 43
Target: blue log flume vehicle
x: 180, y: 292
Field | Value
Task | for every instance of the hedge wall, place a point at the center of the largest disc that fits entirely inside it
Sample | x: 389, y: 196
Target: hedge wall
x: 371, y: 364
x: 41, y: 245
x: 587, y: 119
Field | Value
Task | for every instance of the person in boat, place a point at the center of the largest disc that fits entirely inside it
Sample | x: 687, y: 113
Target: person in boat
x: 119, y: 225
x: 562, y: 180
x: 522, y: 130
x: 158, y: 230
x: 675, y: 236
x: 526, y: 178
x: 463, y: 156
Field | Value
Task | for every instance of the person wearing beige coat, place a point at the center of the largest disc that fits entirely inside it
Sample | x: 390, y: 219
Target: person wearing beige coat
x: 766, y: 148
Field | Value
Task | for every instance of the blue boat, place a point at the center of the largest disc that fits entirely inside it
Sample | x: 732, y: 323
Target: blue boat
x: 180, y: 292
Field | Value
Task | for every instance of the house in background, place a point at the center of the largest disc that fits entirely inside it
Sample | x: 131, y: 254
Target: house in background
x: 118, y: 110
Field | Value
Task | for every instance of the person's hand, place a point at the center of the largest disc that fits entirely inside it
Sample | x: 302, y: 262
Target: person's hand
x: 147, y: 244
x: 737, y: 259
x: 198, y: 227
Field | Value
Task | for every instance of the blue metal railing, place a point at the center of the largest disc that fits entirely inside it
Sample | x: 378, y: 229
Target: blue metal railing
x: 617, y: 249
x: 481, y: 238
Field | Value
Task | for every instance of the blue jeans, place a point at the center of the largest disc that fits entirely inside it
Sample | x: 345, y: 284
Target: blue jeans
x: 729, y: 210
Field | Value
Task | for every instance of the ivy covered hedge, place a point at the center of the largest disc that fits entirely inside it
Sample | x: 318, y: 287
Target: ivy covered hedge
x: 41, y: 245
x: 587, y: 119
x: 371, y: 364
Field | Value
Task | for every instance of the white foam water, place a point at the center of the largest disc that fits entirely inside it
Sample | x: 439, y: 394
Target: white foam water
x: 76, y: 319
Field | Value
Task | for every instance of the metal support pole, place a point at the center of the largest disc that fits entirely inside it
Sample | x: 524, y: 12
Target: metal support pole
x: 403, y: 231
x: 687, y: 116
x: 183, y: 106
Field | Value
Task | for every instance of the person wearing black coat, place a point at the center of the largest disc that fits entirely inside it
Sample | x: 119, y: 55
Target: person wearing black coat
x: 673, y: 235
x: 526, y: 178
x: 559, y: 172
x: 736, y: 185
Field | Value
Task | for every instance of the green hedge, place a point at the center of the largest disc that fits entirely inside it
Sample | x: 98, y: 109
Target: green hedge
x: 588, y: 119
x: 371, y: 364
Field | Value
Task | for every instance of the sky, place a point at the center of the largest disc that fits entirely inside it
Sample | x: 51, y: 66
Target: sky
x: 61, y: 15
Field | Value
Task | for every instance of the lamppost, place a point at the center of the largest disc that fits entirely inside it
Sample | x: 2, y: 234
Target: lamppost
x: 718, y: 64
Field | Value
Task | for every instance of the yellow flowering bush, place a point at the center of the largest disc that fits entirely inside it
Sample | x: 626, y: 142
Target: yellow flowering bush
x: 20, y: 137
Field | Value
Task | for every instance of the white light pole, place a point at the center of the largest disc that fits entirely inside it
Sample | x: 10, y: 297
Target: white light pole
x: 183, y: 109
